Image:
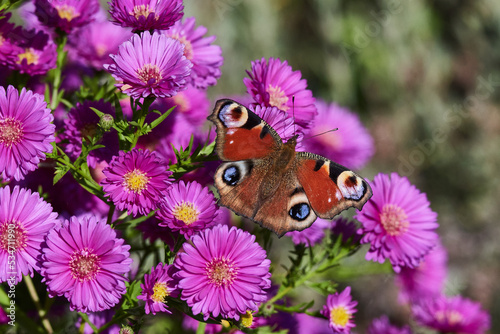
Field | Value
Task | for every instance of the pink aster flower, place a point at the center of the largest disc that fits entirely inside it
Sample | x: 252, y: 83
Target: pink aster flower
x: 206, y: 58
x: 347, y: 229
x: 25, y: 220
x: 135, y: 181
x: 223, y: 272
x: 85, y: 261
x: 274, y: 83
x: 141, y: 15
x: 397, y: 222
x: 383, y: 326
x: 35, y: 53
x: 82, y: 122
x: 95, y: 42
x: 426, y: 280
x: 188, y: 208
x: 150, y: 65
x: 66, y: 15
x: 351, y: 145
x: 26, y: 132
x: 312, y: 235
x: 452, y: 315
x: 339, y: 311
x: 157, y: 286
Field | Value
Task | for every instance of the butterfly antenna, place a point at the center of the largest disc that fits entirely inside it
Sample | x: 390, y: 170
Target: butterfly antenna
x: 319, y: 134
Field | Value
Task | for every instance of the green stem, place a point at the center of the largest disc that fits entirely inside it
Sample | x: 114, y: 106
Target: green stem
x: 201, y: 328
x: 141, y: 119
x: 56, y: 84
x: 34, y: 296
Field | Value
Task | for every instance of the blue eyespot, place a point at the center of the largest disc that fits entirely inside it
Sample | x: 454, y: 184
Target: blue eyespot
x: 231, y: 175
x: 300, y: 211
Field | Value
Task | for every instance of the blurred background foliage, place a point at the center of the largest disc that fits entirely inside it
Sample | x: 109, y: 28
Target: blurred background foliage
x: 425, y: 78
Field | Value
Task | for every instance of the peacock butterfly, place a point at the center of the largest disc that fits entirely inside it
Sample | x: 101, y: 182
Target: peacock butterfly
x: 266, y: 180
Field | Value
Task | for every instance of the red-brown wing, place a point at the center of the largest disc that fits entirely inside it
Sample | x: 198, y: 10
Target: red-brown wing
x: 241, y: 134
x: 330, y: 187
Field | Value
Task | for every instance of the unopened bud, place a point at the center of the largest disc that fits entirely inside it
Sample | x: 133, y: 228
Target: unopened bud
x: 106, y: 122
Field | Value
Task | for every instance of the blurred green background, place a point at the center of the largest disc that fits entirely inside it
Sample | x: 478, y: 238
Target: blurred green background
x: 424, y: 76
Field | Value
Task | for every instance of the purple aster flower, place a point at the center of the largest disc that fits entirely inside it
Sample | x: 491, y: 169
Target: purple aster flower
x: 351, y: 145
x: 192, y: 104
x: 95, y: 42
x: 397, y: 222
x: 99, y: 319
x: 188, y: 208
x: 82, y: 122
x: 85, y: 261
x: 136, y: 180
x: 223, y: 272
x: 452, y: 315
x: 8, y: 50
x: 142, y: 15
x: 426, y: 280
x: 312, y: 235
x: 342, y: 226
x: 383, y: 326
x: 157, y: 286
x: 339, y: 310
x: 35, y: 53
x: 26, y: 132
x: 150, y: 65
x: 66, y: 15
x: 311, y: 325
x: 25, y: 220
x: 206, y: 58
x: 274, y: 83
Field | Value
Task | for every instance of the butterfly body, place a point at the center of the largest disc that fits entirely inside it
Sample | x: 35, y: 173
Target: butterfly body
x: 266, y: 180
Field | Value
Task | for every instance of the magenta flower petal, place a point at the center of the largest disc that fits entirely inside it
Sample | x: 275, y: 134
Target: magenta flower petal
x: 150, y: 65
x: 158, y: 285
x: 66, y: 15
x: 135, y: 181
x: 26, y: 132
x: 25, y: 220
x: 188, y: 208
x: 312, y: 235
x: 141, y: 15
x: 223, y: 272
x: 383, y: 326
x: 339, y: 311
x: 85, y: 261
x: 397, y: 222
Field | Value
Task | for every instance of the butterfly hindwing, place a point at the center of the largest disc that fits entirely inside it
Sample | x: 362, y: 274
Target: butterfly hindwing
x: 241, y: 134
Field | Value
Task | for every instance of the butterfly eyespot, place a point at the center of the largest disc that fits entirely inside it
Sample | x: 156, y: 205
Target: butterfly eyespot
x: 231, y: 175
x: 300, y: 211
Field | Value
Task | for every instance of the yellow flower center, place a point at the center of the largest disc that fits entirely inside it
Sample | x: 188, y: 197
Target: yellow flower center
x: 11, y: 132
x: 225, y: 323
x: 187, y: 212
x: 30, y: 55
x: 12, y: 237
x: 394, y: 220
x: 149, y: 74
x: 339, y: 316
x: 188, y: 47
x: 160, y: 291
x: 182, y: 102
x: 277, y: 97
x: 136, y: 181
x: 142, y: 10
x: 221, y: 272
x: 451, y: 317
x: 84, y: 265
x: 247, y: 319
x: 67, y: 12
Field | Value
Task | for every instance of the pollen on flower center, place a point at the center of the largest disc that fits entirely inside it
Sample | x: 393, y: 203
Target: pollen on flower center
x: 12, y: 237
x: 11, y: 132
x: 247, y: 319
x: 221, y: 272
x: 30, y: 55
x: 394, y: 220
x: 187, y: 212
x: 160, y: 291
x: 188, y: 47
x: 84, y: 265
x: 67, y: 12
x: 339, y: 316
x: 277, y: 97
x: 149, y: 74
x: 142, y: 10
x: 136, y: 181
